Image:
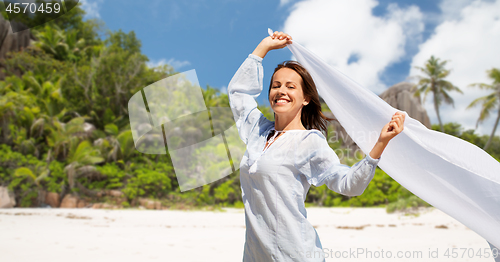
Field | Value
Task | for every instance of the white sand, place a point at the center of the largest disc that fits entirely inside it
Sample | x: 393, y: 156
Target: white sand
x: 146, y: 235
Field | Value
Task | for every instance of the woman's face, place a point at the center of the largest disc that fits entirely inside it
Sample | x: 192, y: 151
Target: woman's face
x: 286, y: 95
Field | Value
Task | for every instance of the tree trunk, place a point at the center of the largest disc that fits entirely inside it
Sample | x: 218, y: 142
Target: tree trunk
x: 436, y: 107
x: 493, y: 132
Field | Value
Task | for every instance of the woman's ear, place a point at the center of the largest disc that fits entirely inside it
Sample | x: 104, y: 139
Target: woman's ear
x: 306, y: 102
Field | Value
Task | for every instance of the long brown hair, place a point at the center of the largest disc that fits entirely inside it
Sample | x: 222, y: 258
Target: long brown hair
x: 311, y: 116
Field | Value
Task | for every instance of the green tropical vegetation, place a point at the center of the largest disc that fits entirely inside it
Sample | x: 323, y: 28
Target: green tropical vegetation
x: 489, y: 102
x: 434, y: 82
x: 455, y: 129
x: 64, y: 125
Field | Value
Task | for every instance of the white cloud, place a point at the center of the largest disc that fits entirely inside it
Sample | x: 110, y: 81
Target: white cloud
x: 469, y: 38
x: 451, y: 9
x: 410, y: 20
x: 176, y: 64
x: 223, y: 90
x: 91, y: 8
x: 349, y: 37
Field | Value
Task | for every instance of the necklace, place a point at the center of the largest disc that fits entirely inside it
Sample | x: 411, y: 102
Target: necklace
x: 274, y: 133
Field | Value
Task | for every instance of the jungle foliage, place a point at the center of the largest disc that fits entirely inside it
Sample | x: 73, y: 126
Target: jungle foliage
x: 64, y: 126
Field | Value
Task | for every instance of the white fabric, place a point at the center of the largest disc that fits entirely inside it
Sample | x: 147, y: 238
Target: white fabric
x: 275, y: 181
x: 451, y: 174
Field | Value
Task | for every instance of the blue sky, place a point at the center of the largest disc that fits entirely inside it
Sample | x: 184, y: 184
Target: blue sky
x: 377, y: 43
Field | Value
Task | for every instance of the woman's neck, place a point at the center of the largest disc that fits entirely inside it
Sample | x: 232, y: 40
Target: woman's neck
x: 283, y: 123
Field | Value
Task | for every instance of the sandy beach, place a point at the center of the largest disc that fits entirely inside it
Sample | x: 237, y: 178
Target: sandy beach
x: 347, y: 234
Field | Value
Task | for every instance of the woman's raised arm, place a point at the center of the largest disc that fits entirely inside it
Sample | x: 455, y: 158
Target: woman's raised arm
x: 390, y: 130
x: 276, y: 41
x: 246, y: 85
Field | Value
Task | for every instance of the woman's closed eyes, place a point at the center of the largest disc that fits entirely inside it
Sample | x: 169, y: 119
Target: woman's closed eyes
x: 292, y: 87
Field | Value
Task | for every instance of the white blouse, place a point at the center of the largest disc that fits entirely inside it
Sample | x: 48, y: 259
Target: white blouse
x: 275, y: 181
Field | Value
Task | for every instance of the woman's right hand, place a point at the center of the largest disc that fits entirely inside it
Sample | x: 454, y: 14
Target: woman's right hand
x: 276, y: 41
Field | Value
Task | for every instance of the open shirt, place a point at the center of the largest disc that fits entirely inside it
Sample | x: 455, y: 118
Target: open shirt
x: 275, y: 181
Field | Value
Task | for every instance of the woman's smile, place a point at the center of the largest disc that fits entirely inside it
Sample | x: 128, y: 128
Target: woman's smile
x: 281, y: 101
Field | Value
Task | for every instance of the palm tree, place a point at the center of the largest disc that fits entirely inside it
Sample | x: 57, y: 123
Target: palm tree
x: 61, y: 136
x: 82, y: 159
x: 51, y: 40
x: 117, y: 145
x: 16, y: 104
x: 211, y: 98
x: 63, y: 45
x: 489, y: 102
x: 73, y: 46
x: 434, y: 82
x: 34, y: 176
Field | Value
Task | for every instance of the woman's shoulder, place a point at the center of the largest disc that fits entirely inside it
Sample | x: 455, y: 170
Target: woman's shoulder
x: 310, y: 143
x: 263, y: 125
x: 312, y: 135
x: 310, y: 138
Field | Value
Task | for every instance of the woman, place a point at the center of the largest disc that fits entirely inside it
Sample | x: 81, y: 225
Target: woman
x: 285, y: 157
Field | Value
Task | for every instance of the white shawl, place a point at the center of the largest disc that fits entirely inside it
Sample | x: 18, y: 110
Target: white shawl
x: 451, y: 174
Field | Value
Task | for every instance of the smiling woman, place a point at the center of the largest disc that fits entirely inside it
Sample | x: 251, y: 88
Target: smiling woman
x: 291, y: 82
x: 276, y: 174
x: 286, y: 89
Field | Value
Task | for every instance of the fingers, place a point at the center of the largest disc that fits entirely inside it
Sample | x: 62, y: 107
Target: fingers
x: 281, y: 36
x: 279, y: 40
x: 399, y: 118
x: 399, y: 115
x: 393, y: 128
x: 396, y: 124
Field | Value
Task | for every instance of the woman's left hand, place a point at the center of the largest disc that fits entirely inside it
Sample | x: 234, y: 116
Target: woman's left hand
x: 390, y: 130
x: 393, y: 128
